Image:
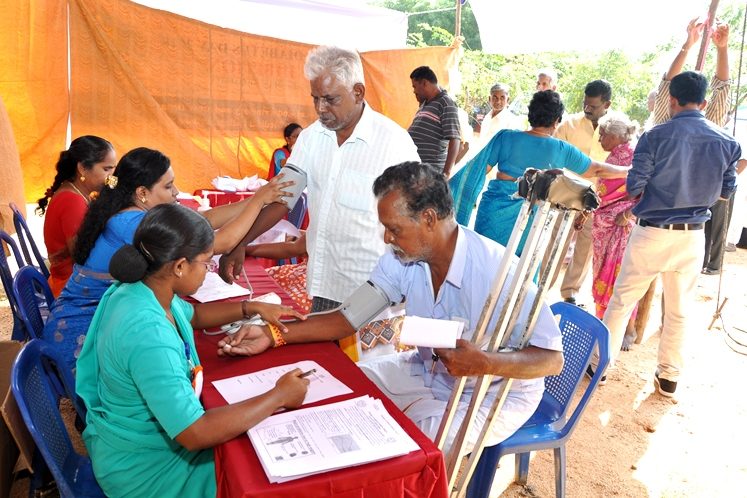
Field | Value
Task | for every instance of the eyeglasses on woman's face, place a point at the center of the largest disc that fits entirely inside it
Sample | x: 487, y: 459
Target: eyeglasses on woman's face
x: 210, y: 265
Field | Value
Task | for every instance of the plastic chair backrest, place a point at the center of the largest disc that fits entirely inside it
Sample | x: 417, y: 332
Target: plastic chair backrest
x: 581, y: 332
x: 6, y: 275
x: 22, y: 229
x: 550, y: 426
x: 577, y: 328
x: 33, y: 390
x: 32, y: 294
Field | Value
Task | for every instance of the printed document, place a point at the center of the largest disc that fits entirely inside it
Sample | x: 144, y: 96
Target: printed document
x: 310, y: 441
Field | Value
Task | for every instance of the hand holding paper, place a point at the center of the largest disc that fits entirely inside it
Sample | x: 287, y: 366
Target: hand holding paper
x: 464, y: 360
x: 430, y: 333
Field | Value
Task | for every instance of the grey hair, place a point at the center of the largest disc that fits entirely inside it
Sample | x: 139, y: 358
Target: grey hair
x: 345, y: 65
x: 618, y: 124
x: 549, y: 72
x: 500, y: 87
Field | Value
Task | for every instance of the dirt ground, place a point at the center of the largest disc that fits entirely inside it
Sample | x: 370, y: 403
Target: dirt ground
x: 633, y: 442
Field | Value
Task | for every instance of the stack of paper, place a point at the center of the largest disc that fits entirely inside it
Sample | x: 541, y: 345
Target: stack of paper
x: 310, y: 441
x: 322, y: 384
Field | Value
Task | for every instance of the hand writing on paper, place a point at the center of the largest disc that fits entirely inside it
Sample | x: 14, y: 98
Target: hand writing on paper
x: 248, y: 341
x: 271, y: 313
x: 464, y: 360
x: 273, y: 191
x: 293, y: 388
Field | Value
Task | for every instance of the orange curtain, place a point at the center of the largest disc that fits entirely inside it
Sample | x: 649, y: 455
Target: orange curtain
x: 212, y: 99
x: 33, y: 87
x: 388, y: 86
x: 11, y: 179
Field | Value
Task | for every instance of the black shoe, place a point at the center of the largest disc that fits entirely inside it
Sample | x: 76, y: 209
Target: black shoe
x: 665, y: 387
x: 590, y: 374
x: 710, y: 271
x: 570, y: 300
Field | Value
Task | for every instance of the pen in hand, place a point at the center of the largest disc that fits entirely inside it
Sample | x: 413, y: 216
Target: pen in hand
x: 306, y: 374
x: 434, y: 358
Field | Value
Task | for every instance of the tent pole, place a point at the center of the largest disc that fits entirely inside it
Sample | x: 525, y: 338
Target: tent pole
x: 458, y: 19
x: 706, y: 35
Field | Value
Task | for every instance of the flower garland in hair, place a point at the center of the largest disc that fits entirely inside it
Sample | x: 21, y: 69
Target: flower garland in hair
x: 111, y: 181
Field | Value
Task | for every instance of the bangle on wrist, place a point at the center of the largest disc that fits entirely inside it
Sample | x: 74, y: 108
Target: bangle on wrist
x: 277, y: 336
x: 243, y: 308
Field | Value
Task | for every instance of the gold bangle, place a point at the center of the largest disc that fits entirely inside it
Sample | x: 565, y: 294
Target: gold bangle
x: 277, y: 336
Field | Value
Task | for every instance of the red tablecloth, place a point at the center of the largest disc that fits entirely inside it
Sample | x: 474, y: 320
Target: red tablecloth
x: 419, y: 474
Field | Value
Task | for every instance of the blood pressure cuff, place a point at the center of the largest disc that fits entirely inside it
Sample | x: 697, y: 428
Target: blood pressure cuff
x: 364, y: 304
x: 294, y: 174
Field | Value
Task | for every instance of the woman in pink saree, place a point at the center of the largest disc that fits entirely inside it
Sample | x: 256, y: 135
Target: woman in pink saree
x: 613, y: 221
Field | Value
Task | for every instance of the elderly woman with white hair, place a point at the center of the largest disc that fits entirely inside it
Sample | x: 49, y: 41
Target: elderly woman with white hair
x: 613, y: 220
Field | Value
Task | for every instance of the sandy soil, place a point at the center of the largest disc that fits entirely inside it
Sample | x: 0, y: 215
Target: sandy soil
x: 634, y: 442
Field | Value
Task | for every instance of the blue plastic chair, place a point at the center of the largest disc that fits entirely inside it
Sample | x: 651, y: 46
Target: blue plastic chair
x: 32, y: 380
x: 19, y: 332
x: 549, y: 428
x: 27, y: 243
x: 34, y: 298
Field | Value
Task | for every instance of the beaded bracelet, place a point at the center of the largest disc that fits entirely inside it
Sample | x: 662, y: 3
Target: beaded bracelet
x: 277, y: 336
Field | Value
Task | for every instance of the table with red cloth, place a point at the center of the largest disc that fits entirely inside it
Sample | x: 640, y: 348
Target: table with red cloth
x: 238, y: 471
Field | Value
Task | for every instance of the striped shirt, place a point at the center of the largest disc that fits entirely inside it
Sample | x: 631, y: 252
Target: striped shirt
x: 344, y: 238
x: 716, y: 109
x: 435, y: 123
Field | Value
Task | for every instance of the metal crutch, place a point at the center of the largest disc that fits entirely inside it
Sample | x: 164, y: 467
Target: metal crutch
x: 526, y: 268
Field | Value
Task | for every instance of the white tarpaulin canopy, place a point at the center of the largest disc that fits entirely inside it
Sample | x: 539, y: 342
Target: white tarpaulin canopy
x: 317, y: 22
x: 633, y: 26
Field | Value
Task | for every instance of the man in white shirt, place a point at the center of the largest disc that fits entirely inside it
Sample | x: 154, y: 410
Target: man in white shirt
x: 500, y: 116
x: 440, y: 270
x: 341, y: 154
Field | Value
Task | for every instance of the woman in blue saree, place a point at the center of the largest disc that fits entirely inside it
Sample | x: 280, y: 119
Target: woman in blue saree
x: 512, y: 152
x: 143, y: 179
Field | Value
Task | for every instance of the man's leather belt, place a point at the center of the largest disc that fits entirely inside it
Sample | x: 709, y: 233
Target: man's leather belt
x: 673, y: 226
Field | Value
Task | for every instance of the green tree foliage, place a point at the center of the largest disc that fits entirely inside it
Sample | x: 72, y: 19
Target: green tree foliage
x: 631, y: 78
x: 423, y: 29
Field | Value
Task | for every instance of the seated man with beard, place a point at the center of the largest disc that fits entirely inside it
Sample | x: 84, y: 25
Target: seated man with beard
x: 438, y: 269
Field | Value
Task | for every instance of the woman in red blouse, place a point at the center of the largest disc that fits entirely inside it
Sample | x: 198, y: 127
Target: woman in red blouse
x: 81, y: 172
